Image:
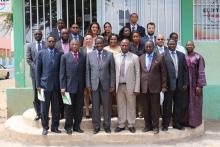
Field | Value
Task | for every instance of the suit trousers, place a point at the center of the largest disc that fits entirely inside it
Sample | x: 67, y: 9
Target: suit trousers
x: 176, y: 100
x: 97, y: 96
x: 151, y: 110
x: 53, y: 98
x: 36, y: 101
x: 74, y: 111
x: 126, y: 106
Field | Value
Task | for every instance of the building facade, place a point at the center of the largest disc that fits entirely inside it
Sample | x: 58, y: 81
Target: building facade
x: 196, y: 20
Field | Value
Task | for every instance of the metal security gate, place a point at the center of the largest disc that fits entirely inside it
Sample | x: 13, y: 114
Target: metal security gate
x: 43, y: 14
x: 164, y: 13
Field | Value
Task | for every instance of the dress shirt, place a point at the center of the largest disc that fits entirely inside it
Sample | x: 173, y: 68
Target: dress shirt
x: 122, y: 78
x: 133, y: 27
x: 160, y: 49
x: 37, y: 43
x: 148, y: 60
x: 65, y: 46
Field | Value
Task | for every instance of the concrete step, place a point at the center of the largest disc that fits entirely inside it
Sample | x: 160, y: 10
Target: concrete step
x: 17, y: 130
x: 29, y: 115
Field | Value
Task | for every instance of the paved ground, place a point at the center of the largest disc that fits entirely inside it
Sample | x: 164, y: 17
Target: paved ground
x: 211, y: 138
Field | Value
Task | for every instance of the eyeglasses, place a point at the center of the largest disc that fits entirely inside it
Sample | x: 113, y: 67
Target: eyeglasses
x: 160, y: 39
x: 75, y: 27
x: 51, y: 41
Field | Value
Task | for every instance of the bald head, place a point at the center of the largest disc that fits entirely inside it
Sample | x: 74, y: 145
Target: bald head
x: 160, y: 40
x: 38, y: 35
x: 125, y: 45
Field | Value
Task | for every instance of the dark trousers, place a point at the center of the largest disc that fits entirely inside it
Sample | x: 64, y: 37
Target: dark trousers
x: 61, y: 106
x: 53, y: 98
x: 74, y: 111
x: 176, y: 100
x: 36, y: 101
x: 100, y: 95
x: 151, y: 104
x: 139, y: 104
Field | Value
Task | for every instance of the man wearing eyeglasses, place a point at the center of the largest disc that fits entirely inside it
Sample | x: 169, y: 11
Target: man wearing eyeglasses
x: 48, y: 67
x: 74, y: 34
x: 160, y: 47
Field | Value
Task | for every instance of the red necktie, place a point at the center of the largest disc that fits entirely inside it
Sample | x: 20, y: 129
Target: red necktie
x: 75, y: 58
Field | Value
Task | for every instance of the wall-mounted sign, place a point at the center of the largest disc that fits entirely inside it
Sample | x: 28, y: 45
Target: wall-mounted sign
x: 5, y: 6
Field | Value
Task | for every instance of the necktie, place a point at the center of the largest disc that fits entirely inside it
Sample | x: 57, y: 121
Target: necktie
x: 39, y: 46
x: 133, y: 28
x: 122, y: 67
x: 151, y: 38
x: 99, y: 57
x: 149, y: 62
x: 75, y: 37
x: 75, y: 58
x: 175, y: 62
x: 52, y: 56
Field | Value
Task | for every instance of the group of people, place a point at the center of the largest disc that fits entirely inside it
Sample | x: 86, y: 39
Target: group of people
x: 134, y: 68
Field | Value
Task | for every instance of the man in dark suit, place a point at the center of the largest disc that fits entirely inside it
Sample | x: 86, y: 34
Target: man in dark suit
x: 63, y: 44
x: 31, y: 58
x: 56, y: 32
x: 100, y: 80
x: 72, y: 80
x: 153, y: 80
x: 48, y: 67
x: 150, y: 33
x: 177, y: 73
x: 74, y: 34
x: 134, y: 26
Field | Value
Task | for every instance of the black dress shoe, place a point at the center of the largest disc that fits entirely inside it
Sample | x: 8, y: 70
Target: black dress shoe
x: 107, y: 130
x: 164, y: 129
x: 96, y: 131
x: 45, y: 132
x: 78, y: 130
x: 118, y: 129
x: 69, y: 132
x: 179, y: 127
x: 156, y: 130
x: 146, y: 129
x: 132, y: 129
x: 55, y: 130
x: 37, y: 117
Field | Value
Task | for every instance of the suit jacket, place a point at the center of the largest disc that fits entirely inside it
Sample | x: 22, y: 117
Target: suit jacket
x: 156, y: 50
x: 59, y: 46
x: 132, y: 72
x: 171, y: 74
x: 155, y: 78
x: 137, y: 50
x: 139, y: 29
x: 48, y: 72
x: 72, y: 76
x: 31, y: 56
x: 146, y: 38
x: 80, y: 39
x: 55, y: 34
x: 105, y: 73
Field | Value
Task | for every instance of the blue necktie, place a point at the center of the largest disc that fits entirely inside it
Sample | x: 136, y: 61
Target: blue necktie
x: 39, y: 46
x: 149, y: 62
x: 52, y: 56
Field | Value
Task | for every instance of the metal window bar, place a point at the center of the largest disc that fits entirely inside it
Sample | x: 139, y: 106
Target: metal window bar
x: 67, y: 14
x: 50, y: 16
x: 44, y: 20
x: 83, y: 19
x: 31, y: 21
x: 37, y: 7
x: 90, y: 4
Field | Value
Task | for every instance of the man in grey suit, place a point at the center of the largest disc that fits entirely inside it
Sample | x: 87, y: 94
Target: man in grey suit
x: 127, y: 69
x: 31, y: 57
x: 72, y: 80
x: 100, y: 80
x: 177, y: 81
x: 48, y: 67
x: 160, y: 47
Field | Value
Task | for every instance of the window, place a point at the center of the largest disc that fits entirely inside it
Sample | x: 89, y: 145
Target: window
x: 206, y: 20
